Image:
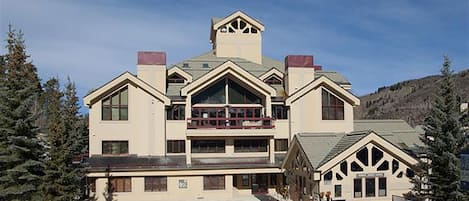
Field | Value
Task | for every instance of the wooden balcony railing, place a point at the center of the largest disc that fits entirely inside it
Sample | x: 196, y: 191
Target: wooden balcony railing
x: 230, y: 123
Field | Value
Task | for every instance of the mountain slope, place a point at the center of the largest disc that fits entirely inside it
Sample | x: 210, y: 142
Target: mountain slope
x: 408, y: 100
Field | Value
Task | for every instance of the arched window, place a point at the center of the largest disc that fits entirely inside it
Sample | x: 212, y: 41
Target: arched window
x: 239, y: 26
x: 332, y: 107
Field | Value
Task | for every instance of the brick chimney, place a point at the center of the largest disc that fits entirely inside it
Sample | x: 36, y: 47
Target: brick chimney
x: 299, y: 71
x: 151, y: 68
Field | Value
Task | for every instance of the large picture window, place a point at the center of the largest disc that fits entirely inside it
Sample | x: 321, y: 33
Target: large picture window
x: 332, y: 107
x: 121, y: 184
x: 257, y: 145
x: 115, y: 107
x: 214, y: 182
x: 208, y: 146
x: 216, y: 94
x: 115, y: 147
x: 155, y: 184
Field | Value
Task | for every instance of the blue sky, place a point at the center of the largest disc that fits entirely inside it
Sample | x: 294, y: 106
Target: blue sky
x: 372, y: 43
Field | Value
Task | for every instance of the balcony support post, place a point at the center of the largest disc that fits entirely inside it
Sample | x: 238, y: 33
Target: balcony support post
x: 272, y: 150
x: 188, y: 152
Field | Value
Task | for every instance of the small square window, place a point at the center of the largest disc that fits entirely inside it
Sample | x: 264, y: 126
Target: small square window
x: 204, y: 65
x: 185, y: 65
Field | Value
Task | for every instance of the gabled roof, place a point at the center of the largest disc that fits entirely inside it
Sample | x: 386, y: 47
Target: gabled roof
x: 125, y: 77
x: 180, y: 72
x: 226, y: 68
x: 220, y: 22
x: 323, y: 80
x: 321, y: 148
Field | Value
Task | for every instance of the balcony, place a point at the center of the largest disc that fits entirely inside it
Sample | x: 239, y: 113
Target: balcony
x: 230, y: 123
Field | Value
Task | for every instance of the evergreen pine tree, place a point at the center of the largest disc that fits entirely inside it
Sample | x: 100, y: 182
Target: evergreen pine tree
x: 21, y: 153
x: 443, y: 141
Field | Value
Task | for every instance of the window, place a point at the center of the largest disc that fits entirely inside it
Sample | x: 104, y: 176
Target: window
x: 115, y: 107
x: 362, y: 156
x: 176, y: 146
x: 337, y: 190
x: 332, y: 107
x: 185, y: 65
x: 343, y: 167
x: 216, y: 93
x: 182, y: 183
x: 121, y: 184
x: 279, y: 112
x: 205, y: 65
x: 370, y: 187
x: 214, y: 182
x: 395, y: 166
x: 273, y: 80
x: 355, y: 167
x: 382, y: 187
x: 384, y: 166
x: 376, y: 155
x: 357, y: 188
x: 273, y: 179
x: 176, y: 112
x: 328, y: 176
x: 115, y: 147
x: 281, y: 144
x: 256, y: 145
x: 409, y: 173
x: 338, y: 177
x: 155, y: 184
x: 175, y: 78
x: 245, y: 180
x: 208, y: 146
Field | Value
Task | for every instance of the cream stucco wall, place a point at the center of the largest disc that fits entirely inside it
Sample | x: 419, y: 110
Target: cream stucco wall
x: 241, y: 45
x: 144, y: 128
x: 194, y: 190
x: 306, y: 115
x: 297, y: 78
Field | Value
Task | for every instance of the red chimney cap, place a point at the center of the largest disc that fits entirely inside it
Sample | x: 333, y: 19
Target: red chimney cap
x: 151, y: 58
x: 300, y: 61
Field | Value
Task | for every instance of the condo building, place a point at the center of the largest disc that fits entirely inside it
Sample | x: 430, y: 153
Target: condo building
x: 234, y: 121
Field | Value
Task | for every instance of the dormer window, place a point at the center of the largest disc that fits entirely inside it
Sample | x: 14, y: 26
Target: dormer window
x: 332, y: 107
x: 175, y: 78
x: 239, y: 26
x: 273, y: 80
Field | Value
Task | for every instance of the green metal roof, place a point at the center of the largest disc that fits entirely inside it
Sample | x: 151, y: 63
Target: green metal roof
x: 200, y: 65
x: 323, y: 147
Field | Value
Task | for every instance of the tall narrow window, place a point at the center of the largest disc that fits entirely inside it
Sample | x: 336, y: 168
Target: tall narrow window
x: 155, y: 184
x: 357, y: 188
x: 115, y: 148
x: 382, y: 186
x: 337, y: 190
x: 332, y: 107
x: 370, y: 187
x: 115, y: 107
